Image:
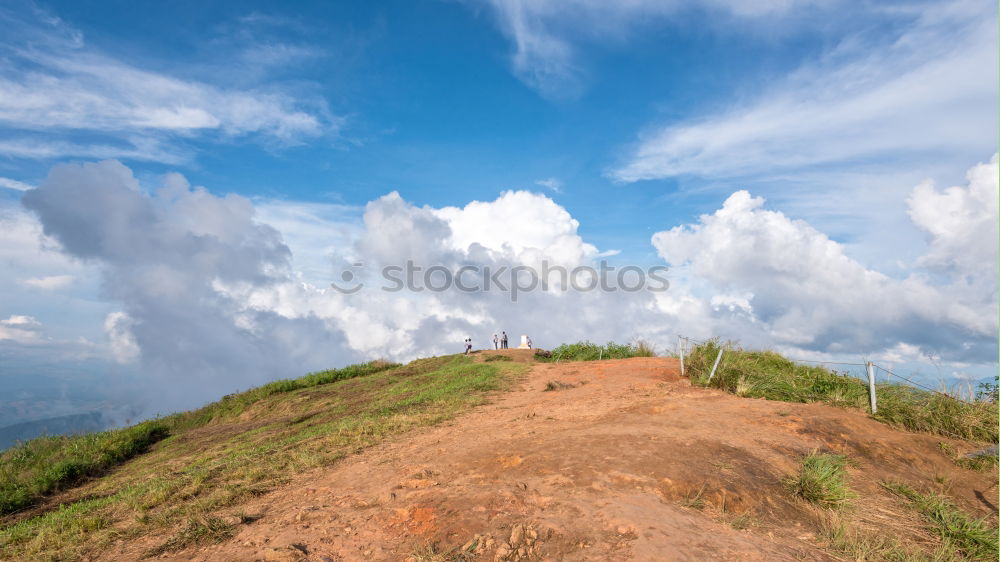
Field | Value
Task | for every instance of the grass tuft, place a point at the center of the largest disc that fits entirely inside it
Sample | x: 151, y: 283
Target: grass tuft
x: 491, y: 358
x: 822, y: 480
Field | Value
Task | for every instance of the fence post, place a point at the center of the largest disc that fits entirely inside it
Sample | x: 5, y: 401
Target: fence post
x: 680, y: 346
x: 871, y: 385
x: 716, y: 366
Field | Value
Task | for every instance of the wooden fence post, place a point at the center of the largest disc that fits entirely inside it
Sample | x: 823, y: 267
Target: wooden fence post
x: 871, y: 385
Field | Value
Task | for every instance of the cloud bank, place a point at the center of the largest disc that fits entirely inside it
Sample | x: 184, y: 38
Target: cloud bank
x: 209, y: 300
x: 161, y: 257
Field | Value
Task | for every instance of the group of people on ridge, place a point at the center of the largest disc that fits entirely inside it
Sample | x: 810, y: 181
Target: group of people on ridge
x: 501, y: 342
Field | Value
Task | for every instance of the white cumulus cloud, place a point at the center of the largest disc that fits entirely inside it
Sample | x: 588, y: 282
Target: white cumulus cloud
x: 118, y: 328
x: 961, y: 226
x: 21, y: 329
x: 801, y: 289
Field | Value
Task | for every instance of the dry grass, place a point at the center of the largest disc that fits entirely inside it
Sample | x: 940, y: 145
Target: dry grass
x: 975, y: 538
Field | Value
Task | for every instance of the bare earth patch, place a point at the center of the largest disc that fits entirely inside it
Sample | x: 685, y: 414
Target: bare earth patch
x: 634, y: 465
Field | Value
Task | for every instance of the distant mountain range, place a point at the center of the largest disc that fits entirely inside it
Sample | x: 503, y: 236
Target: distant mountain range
x: 61, y: 425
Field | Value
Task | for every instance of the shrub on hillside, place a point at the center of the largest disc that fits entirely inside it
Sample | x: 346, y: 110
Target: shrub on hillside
x: 588, y: 351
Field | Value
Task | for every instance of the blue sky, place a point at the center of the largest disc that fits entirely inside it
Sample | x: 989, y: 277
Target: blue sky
x: 624, y: 119
x: 420, y: 97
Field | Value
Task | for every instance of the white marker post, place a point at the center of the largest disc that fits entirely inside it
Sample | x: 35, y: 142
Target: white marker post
x: 680, y: 348
x: 716, y: 366
x: 871, y: 385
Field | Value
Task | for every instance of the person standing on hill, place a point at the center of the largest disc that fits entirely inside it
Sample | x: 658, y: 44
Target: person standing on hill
x: 503, y: 340
x: 468, y: 346
x: 496, y: 342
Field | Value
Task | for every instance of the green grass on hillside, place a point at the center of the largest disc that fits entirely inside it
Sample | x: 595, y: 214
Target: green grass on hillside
x: 243, y: 448
x: 587, y: 351
x: 976, y: 538
x: 765, y: 374
x: 50, y: 464
x: 235, y: 404
x: 31, y: 470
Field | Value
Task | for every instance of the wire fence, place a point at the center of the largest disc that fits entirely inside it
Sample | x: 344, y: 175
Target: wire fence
x: 870, y: 368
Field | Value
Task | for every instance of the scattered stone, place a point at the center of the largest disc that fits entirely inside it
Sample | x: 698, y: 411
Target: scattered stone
x: 516, y: 534
x: 502, y: 552
x: 987, y: 452
x: 282, y: 555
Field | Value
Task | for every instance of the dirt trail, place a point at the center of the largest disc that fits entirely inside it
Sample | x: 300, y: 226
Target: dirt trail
x: 624, y: 461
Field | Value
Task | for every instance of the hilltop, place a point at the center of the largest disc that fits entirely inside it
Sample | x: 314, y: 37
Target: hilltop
x: 501, y: 457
